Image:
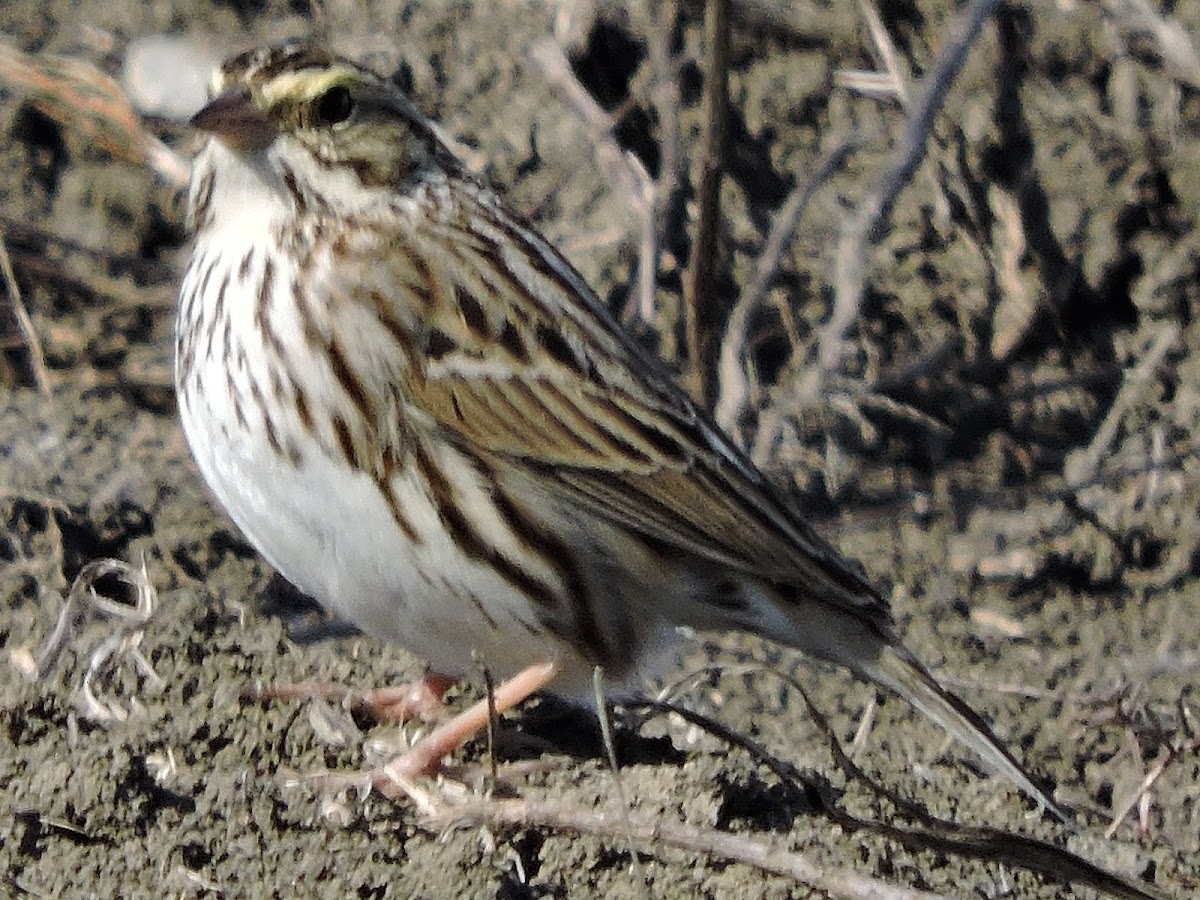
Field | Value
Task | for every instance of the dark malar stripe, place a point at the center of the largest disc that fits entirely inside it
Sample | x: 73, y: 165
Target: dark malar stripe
x: 293, y: 188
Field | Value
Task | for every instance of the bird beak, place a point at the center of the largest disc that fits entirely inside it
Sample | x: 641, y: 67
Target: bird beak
x: 234, y: 118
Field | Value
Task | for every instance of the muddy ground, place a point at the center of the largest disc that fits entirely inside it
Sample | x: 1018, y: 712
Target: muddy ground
x: 1006, y: 437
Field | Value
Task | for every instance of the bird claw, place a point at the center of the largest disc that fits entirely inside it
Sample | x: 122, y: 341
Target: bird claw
x: 421, y: 699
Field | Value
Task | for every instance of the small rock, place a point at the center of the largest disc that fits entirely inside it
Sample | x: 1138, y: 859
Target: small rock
x: 168, y: 76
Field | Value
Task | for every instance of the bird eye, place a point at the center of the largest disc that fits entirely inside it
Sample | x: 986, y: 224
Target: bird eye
x: 334, y: 106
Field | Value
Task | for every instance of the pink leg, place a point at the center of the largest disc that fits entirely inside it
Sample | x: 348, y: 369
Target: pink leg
x: 421, y: 698
x: 425, y: 757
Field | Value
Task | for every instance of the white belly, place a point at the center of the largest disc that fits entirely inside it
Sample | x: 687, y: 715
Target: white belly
x: 325, y: 525
x: 328, y: 530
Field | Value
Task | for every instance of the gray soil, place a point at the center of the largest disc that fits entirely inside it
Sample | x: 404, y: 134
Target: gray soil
x: 1008, y: 445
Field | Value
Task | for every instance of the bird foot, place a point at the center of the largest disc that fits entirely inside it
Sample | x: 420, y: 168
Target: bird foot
x: 424, y: 758
x: 398, y: 777
x: 421, y: 699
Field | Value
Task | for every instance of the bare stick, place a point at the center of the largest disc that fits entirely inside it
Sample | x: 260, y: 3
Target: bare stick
x: 981, y: 843
x: 1134, y: 17
x: 37, y: 362
x: 656, y: 832
x: 732, y: 389
x: 871, y: 217
x: 621, y: 169
x: 610, y: 750
x: 1172, y: 756
x: 1083, y: 465
x: 891, y: 83
x: 701, y: 312
x: 664, y: 94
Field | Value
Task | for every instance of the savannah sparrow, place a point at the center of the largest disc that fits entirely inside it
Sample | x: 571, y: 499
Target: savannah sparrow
x: 422, y: 416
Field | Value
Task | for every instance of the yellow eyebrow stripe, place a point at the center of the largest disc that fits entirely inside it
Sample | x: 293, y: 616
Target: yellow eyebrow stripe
x: 305, y: 85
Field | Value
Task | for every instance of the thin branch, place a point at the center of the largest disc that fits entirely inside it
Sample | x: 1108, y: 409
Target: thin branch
x: 1170, y: 757
x: 980, y: 843
x: 701, y: 311
x: 665, y: 97
x: 891, y: 82
x: 874, y: 211
x: 1138, y: 17
x: 731, y: 379
x: 37, y: 361
x: 613, y: 823
x: 622, y: 169
x: 1083, y: 465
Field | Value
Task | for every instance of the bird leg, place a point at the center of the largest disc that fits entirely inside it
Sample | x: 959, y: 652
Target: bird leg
x: 425, y: 757
x: 419, y: 699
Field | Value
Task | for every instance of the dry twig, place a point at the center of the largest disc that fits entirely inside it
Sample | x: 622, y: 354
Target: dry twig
x: 37, y: 362
x: 665, y: 96
x: 612, y: 822
x: 124, y: 642
x: 1083, y: 465
x: 622, y: 169
x: 702, y: 313
x: 732, y: 388
x: 873, y: 212
x: 892, y: 81
x: 981, y: 843
x: 1174, y: 752
x: 1138, y: 17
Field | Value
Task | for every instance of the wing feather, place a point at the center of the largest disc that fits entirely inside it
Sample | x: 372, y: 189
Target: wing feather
x: 567, y: 393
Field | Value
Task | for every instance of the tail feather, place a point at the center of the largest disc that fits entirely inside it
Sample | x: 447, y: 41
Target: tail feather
x: 855, y: 630
x: 896, y: 669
